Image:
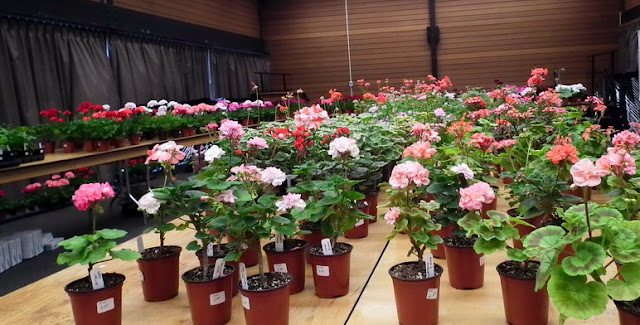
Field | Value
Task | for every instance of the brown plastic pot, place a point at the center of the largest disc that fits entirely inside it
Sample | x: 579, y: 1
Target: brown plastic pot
x: 488, y: 207
x: 135, y: 139
x: 210, y: 301
x: 373, y: 207
x: 268, y: 307
x: 98, y: 307
x: 212, y: 261
x: 68, y: 147
x: 525, y: 230
x: 120, y: 143
x: 187, y: 132
x: 49, y: 147
x: 465, y: 267
x: 89, y: 146
x: 331, y: 273
x: 579, y: 193
x: 250, y: 256
x: 103, y: 145
x: 313, y: 239
x: 417, y: 301
x: 522, y: 304
x: 443, y: 232
x: 160, y: 276
x: 361, y: 230
x: 291, y: 261
x: 626, y: 316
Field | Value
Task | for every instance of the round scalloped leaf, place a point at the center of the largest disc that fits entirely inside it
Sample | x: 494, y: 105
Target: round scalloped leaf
x: 589, y: 256
x: 602, y: 216
x: 111, y: 233
x: 469, y: 221
x: 574, y: 297
x: 625, y: 246
x: 549, y: 237
x: 548, y: 260
x: 482, y: 246
x: 629, y: 289
x: 517, y: 255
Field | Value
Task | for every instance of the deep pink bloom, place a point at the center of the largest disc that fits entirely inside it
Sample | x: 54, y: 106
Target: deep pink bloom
x: 586, y: 174
x: 54, y: 177
x: 473, y: 197
x: 89, y: 194
x: 231, y: 130
x: 69, y: 175
x: 626, y: 139
x: 212, y: 127
x: 32, y: 188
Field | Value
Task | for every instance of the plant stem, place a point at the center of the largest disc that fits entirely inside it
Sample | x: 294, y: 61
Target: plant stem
x: 585, y: 194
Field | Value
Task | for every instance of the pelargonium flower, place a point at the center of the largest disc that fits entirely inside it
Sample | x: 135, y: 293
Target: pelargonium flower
x: 57, y: 183
x: 484, y: 142
x: 231, y: 130
x: 213, y: 153
x: 475, y: 196
x: 166, y: 152
x: 249, y: 173
x: 476, y: 102
x: 291, y: 201
x: 69, y: 175
x: 258, y: 143
x: 392, y: 215
x: 342, y: 147
x: 89, y: 194
x: 626, y: 139
x: 586, y: 174
x: 617, y: 161
x: 226, y: 197
x: 420, y: 149
x: 562, y: 152
x: 32, y: 188
x: 407, y: 173
x: 505, y: 143
x: 439, y: 112
x: 212, y: 127
x: 54, y: 177
x: 311, y: 117
x: 464, y: 170
x: 273, y: 176
x: 149, y: 204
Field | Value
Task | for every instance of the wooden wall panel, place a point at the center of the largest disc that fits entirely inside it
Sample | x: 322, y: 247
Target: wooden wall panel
x: 236, y: 16
x: 480, y: 40
x: 628, y: 4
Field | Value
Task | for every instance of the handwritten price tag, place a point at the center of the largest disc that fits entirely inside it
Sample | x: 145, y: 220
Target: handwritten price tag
x: 243, y: 278
x: 359, y: 223
x: 326, y: 246
x: 482, y: 260
x: 428, y: 262
x: 280, y: 267
x: 105, y: 305
x: 97, y: 282
x: 279, y: 243
x: 322, y: 270
x: 217, y: 298
x: 432, y: 293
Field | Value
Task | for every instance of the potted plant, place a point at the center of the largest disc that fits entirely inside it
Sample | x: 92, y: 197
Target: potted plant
x: 416, y: 283
x: 97, y: 298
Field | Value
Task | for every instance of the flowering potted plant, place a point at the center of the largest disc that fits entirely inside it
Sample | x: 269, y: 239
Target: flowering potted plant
x: 97, y: 298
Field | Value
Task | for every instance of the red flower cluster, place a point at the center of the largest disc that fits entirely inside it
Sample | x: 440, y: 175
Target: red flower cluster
x: 484, y: 142
x: 561, y: 152
x: 118, y: 116
x: 135, y: 162
x: 51, y: 112
x: 3, y: 193
x: 87, y: 107
x: 279, y: 134
x: 476, y: 102
x: 340, y: 132
x: 301, y: 134
x: 537, y: 77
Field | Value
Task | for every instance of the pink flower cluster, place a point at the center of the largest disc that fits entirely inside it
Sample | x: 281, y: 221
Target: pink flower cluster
x: 291, y: 201
x: 598, y: 103
x: 212, y: 127
x: 484, y: 142
x: 549, y: 98
x: 554, y: 110
x: 166, y: 152
x: 617, y: 161
x: 57, y: 182
x: 231, y: 130
x: 258, y: 143
x: 626, y: 139
x: 311, y: 117
x: 481, y: 113
x: 537, y: 77
x: 89, y: 194
x: 246, y: 173
x: 32, y: 188
x: 420, y: 149
x: 392, y: 215
x: 475, y: 196
x: 407, y: 173
x: 476, y: 102
x: 587, y: 174
x: 505, y: 144
x: 425, y: 132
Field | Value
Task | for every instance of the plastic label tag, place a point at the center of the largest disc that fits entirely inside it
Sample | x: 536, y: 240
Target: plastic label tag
x: 243, y: 277
x: 141, y: 275
x: 322, y: 270
x: 97, y: 282
x: 105, y: 305
x: 326, y: 246
x: 432, y: 293
x: 217, y: 298
x: 279, y: 243
x: 482, y: 260
x: 217, y: 271
x: 210, y: 249
x: 245, y: 302
x: 280, y: 267
x: 428, y: 262
x: 360, y: 223
x: 140, y: 244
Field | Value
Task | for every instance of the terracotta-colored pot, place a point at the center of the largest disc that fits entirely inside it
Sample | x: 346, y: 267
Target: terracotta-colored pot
x: 163, y: 135
x: 135, y: 139
x: 98, y: 307
x: 103, y: 145
x: 522, y: 304
x: 68, y: 147
x: 49, y: 147
x: 566, y: 252
x: 417, y: 301
x: 465, y: 267
x: 488, y: 207
x: 525, y: 230
x: 187, y: 132
x: 443, y: 232
x: 331, y: 273
x: 373, y: 207
x: 89, y: 146
x: 291, y: 261
x: 160, y: 276
x: 507, y: 180
x: 360, y: 230
x: 247, y: 121
x: 266, y: 307
x: 210, y: 301
x: 119, y: 143
x: 313, y: 239
x: 250, y: 256
x: 214, y: 258
x: 578, y: 191
x: 626, y: 316
x: 282, y: 116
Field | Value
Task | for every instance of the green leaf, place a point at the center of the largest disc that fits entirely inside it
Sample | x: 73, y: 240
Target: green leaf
x: 624, y: 244
x: 548, y: 260
x: 166, y: 227
x: 125, y: 255
x: 193, y: 246
x: 629, y: 289
x: 549, y: 237
x: 574, y: 297
x: 111, y: 233
x: 353, y: 195
x: 517, y: 255
x: 233, y: 256
x: 281, y: 220
x: 589, y: 256
x: 73, y: 243
x: 482, y: 246
x: 469, y: 221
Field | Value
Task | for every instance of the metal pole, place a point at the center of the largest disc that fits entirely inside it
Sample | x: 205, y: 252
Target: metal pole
x: 346, y: 17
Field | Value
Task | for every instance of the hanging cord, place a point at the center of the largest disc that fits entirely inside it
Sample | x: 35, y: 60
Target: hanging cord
x: 346, y: 16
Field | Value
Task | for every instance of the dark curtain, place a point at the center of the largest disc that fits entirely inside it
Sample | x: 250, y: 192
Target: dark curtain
x: 147, y: 70
x: 235, y: 71
x: 44, y: 66
x: 628, y: 52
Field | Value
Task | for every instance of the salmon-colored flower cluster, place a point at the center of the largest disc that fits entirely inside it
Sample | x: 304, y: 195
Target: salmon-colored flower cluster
x: 420, y: 149
x: 460, y: 128
x: 484, y: 142
x: 537, y: 77
x: 311, y: 117
x: 597, y: 103
x: 476, y: 102
x: 561, y: 152
x: 408, y: 173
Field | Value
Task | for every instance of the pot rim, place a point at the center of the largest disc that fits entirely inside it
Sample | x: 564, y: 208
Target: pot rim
x: 621, y: 307
x: 290, y: 278
x: 349, y: 249
x: 199, y: 253
x: 222, y: 277
x: 302, y: 248
x: 417, y: 280
x: 513, y: 277
x: 121, y: 278
x: 161, y: 257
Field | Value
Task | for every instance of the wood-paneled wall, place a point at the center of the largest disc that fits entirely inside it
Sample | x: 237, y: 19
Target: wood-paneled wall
x: 628, y: 4
x: 237, y: 16
x: 481, y: 41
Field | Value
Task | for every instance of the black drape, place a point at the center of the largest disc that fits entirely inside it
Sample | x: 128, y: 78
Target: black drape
x: 627, y: 55
x: 235, y: 72
x: 44, y: 66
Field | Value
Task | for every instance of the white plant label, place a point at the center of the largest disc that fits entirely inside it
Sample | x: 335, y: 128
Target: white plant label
x: 210, y: 249
x: 217, y: 298
x: 243, y: 278
x: 428, y: 262
x: 97, y: 282
x: 432, y: 293
x: 326, y: 246
x: 245, y: 302
x: 360, y: 223
x: 141, y: 275
x: 322, y: 270
x: 217, y: 270
x: 482, y: 260
x: 279, y: 243
x: 280, y: 267
x: 140, y: 244
x: 106, y: 305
